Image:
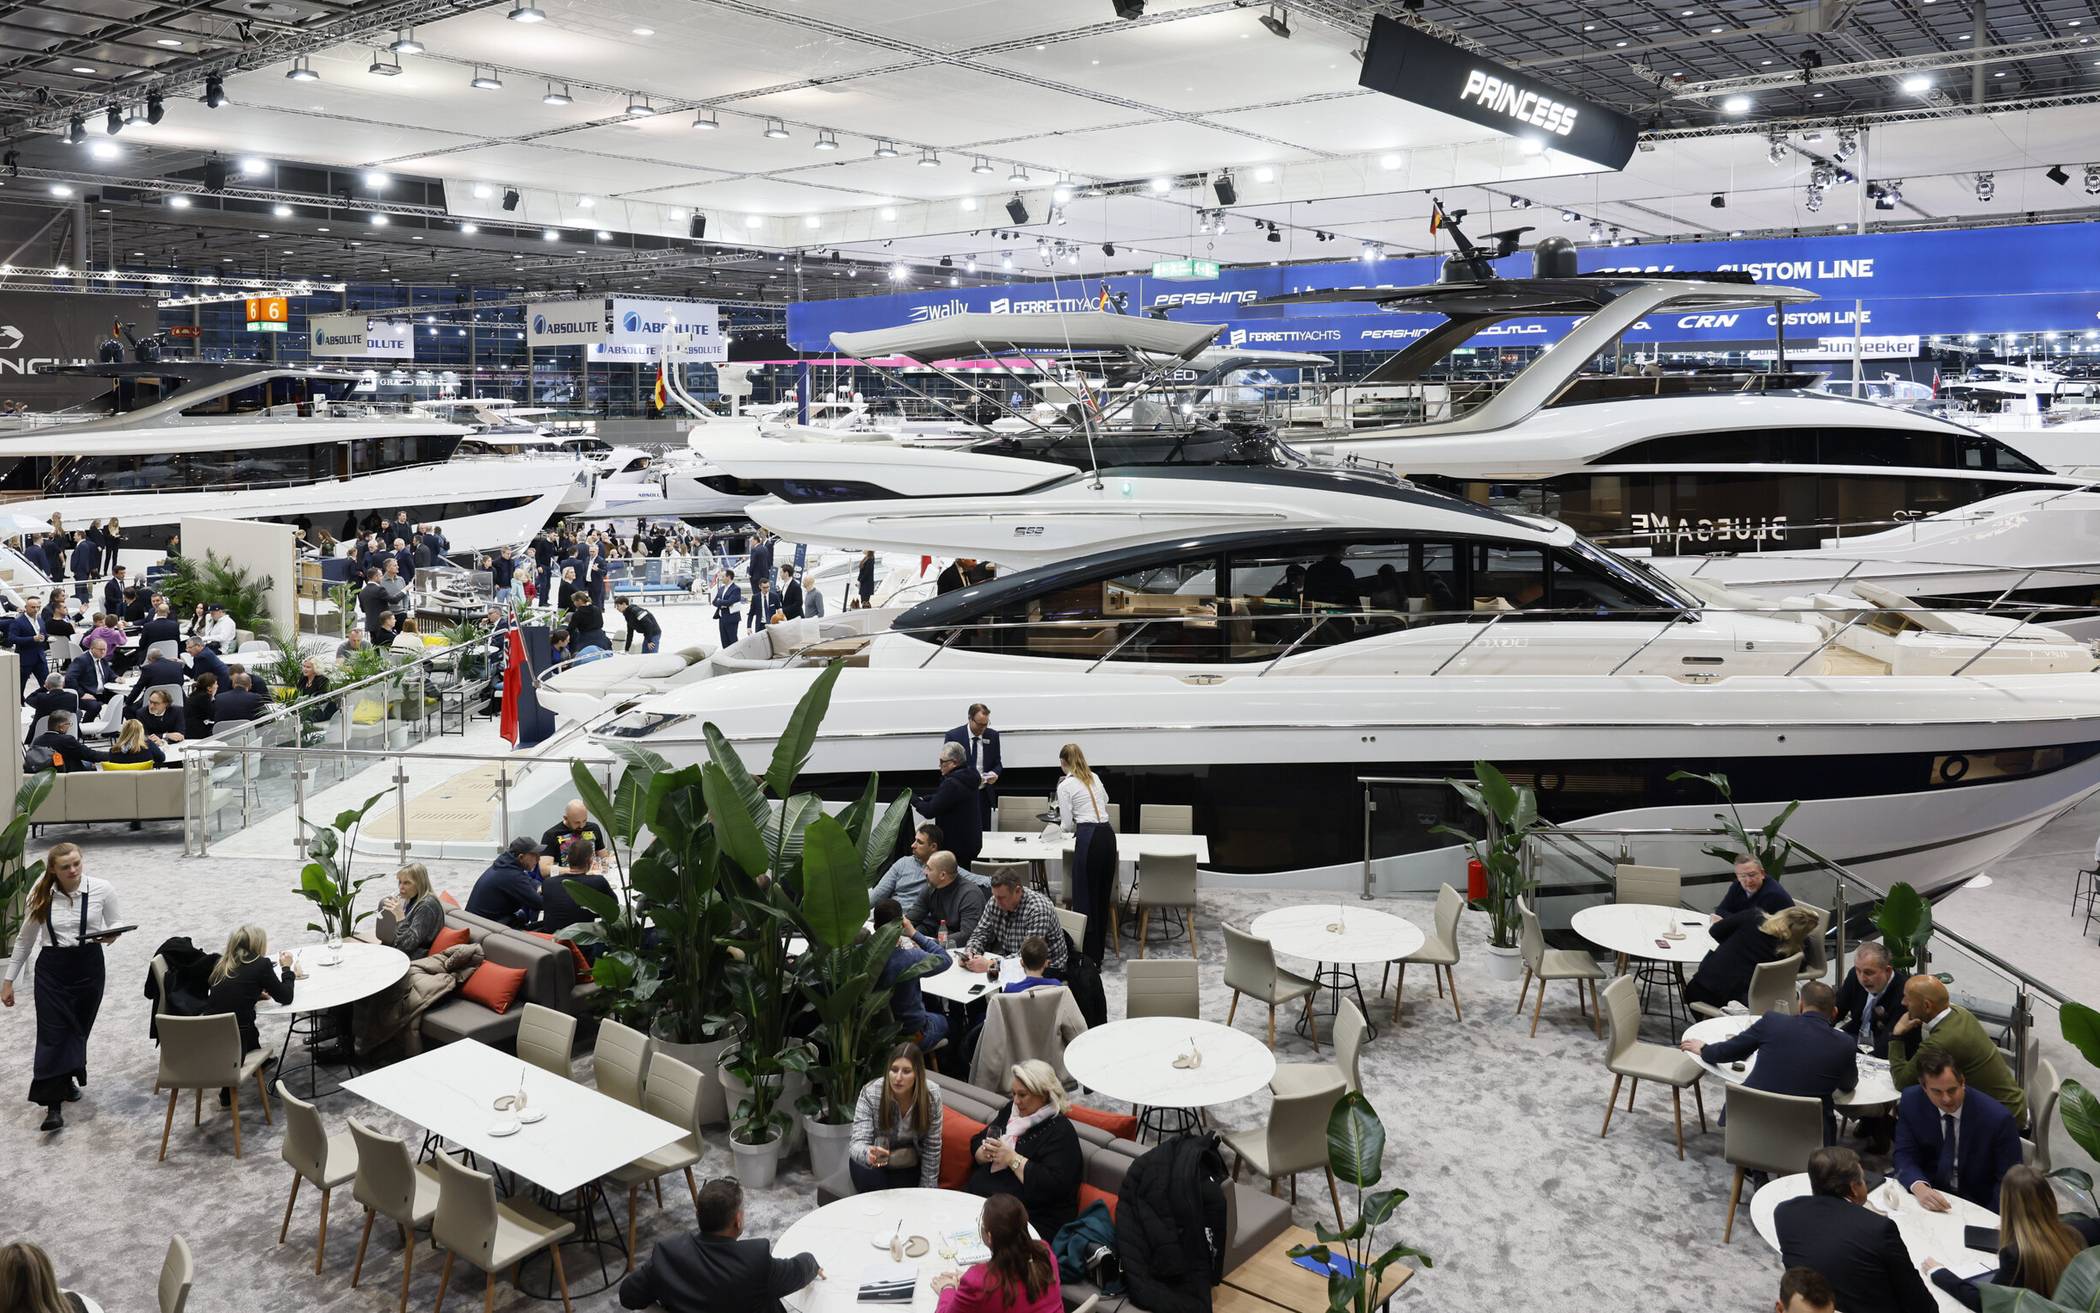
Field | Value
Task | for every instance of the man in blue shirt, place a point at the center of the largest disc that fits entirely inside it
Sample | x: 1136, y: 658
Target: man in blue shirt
x: 1951, y: 1139
x: 1035, y: 960
x: 907, y: 1005
x: 1753, y: 888
x: 509, y: 891
x: 905, y: 881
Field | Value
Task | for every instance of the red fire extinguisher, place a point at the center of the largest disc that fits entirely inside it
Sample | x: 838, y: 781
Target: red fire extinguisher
x: 1476, y: 880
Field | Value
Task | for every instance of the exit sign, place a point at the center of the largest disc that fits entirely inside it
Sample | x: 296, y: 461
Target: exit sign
x: 1184, y: 271
x: 267, y: 326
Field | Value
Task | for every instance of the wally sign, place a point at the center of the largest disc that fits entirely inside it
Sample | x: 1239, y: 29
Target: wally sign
x: 1996, y: 280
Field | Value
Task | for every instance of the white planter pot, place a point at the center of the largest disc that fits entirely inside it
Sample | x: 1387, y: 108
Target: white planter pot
x: 1505, y: 963
x: 828, y: 1146
x: 756, y: 1164
x: 795, y: 1085
x: 707, y: 1060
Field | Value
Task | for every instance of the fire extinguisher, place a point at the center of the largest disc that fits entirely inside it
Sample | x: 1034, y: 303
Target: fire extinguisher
x: 1476, y: 880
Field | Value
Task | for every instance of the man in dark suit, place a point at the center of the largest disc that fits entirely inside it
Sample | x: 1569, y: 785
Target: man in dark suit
x: 1951, y: 1139
x: 113, y: 592
x: 87, y: 555
x: 953, y: 805
x: 68, y: 753
x: 89, y: 674
x: 204, y: 661
x: 1753, y: 888
x: 48, y: 700
x: 980, y: 745
x: 241, y: 702
x: 728, y: 597
x: 1871, y: 999
x: 764, y: 601
x: 715, y: 1268
x: 790, y: 594
x: 1802, y: 1054
x: 159, y: 670
x: 1858, y: 1251
x: 761, y: 558
x: 162, y: 628
x: 25, y: 633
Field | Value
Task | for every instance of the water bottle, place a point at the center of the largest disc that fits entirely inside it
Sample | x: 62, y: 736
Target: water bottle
x: 942, y: 935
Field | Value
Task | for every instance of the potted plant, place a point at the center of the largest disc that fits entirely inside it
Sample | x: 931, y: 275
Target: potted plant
x: 16, y: 876
x: 1355, y: 1155
x: 325, y: 880
x: 1905, y: 921
x: 2077, y: 1105
x: 2078, y: 1288
x: 1765, y: 843
x: 1512, y: 814
x: 193, y: 581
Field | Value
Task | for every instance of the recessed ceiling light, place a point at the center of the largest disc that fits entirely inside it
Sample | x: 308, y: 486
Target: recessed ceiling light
x: 1162, y: 186
x: 60, y: 189
x: 1917, y: 84
x: 969, y: 202
x: 105, y: 150
x: 754, y: 221
x: 282, y: 211
x: 586, y: 202
x: 551, y: 235
x: 82, y: 68
x: 470, y: 228
x: 172, y: 44
x: 178, y: 202
x: 380, y: 221
x: 645, y: 31
x: 889, y: 212
x: 604, y: 236
x: 1265, y: 174
x: 1736, y: 105
x: 320, y: 230
x: 377, y: 180
x: 482, y: 191
x: 1387, y: 161
x: 812, y: 221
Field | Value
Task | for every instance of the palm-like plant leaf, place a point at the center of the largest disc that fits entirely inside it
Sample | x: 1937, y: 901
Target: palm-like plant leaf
x: 834, y: 897
x: 747, y: 789
x: 734, y: 829
x: 2081, y: 1026
x: 791, y: 750
x: 1355, y: 1142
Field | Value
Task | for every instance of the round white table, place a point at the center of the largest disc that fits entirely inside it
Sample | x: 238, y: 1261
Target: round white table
x: 1133, y: 1060
x: 842, y: 1236
x: 360, y: 970
x: 1337, y: 938
x: 1641, y: 932
x: 1925, y: 1234
x: 1876, y: 1088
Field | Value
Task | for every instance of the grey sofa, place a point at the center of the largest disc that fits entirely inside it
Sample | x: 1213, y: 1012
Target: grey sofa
x: 549, y: 968
x: 85, y: 796
x: 1252, y: 1218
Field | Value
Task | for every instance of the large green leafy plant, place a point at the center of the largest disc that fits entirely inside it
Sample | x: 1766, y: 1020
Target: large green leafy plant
x: 2077, y: 1291
x: 326, y: 881
x: 16, y: 876
x: 2076, y: 1104
x: 1512, y: 814
x: 200, y: 581
x: 1766, y: 844
x: 1356, y: 1154
x: 1905, y: 921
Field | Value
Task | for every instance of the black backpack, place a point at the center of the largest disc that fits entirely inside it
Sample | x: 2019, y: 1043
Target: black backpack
x: 36, y: 758
x: 1083, y: 978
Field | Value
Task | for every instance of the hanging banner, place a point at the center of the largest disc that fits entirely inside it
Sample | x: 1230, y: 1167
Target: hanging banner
x: 1411, y: 65
x: 361, y: 336
x: 41, y: 329
x: 696, y: 325
x: 568, y: 323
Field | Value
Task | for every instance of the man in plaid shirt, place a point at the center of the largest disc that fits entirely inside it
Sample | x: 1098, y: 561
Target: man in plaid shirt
x: 1015, y: 913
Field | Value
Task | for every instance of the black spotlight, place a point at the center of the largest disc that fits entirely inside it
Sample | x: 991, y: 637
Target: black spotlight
x: 1719, y: 201
x: 697, y: 228
x: 12, y: 162
x: 214, y: 91
x: 947, y: 262
x: 76, y: 130
x: 1130, y: 8
x: 1274, y: 234
x: 2057, y: 175
x: 510, y: 198
x: 113, y: 123
x: 1227, y: 193
x: 155, y: 110
x: 1108, y: 248
x: 1017, y: 211
x: 214, y: 174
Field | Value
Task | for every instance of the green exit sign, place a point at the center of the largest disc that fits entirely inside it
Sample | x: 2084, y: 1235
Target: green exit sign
x: 1184, y: 271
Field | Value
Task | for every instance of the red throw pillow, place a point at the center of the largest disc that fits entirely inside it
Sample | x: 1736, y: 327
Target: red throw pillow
x: 449, y: 937
x: 956, y: 1133
x: 1089, y: 1194
x: 445, y: 897
x: 494, y: 987
x: 583, y: 964
x: 1122, y: 1125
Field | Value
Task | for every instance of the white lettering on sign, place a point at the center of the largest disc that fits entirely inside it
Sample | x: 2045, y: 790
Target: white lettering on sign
x: 1707, y: 321
x: 1787, y: 271
x: 1522, y: 104
x: 1244, y: 297
x: 1678, y: 531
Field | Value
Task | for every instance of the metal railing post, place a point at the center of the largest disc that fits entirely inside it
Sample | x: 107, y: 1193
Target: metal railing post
x: 189, y: 801
x: 2021, y: 1022
x: 1838, y: 914
x: 247, y: 783
x: 503, y: 802
x: 401, y: 808
x: 299, y: 802
x: 1370, y: 805
x: 1461, y: 648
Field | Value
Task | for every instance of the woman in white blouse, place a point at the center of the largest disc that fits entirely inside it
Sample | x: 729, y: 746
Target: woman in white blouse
x: 69, y: 915
x: 1082, y: 808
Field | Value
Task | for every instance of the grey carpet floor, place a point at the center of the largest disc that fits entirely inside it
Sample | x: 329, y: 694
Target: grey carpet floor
x: 1494, y: 1133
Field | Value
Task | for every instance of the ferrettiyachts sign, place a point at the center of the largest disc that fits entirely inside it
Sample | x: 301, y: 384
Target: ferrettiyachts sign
x: 1411, y: 65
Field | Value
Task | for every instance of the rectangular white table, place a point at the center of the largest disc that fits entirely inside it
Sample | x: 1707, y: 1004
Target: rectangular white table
x: 1031, y: 846
x: 451, y: 1091
x: 955, y: 984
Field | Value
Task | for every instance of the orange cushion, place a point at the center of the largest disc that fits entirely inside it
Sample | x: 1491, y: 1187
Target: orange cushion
x: 494, y: 987
x: 449, y: 937
x: 956, y: 1133
x: 1122, y: 1125
x: 583, y: 964
x: 1089, y: 1194
x: 445, y: 897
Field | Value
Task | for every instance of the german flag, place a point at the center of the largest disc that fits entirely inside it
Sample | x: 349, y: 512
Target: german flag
x: 1436, y: 217
x: 661, y: 389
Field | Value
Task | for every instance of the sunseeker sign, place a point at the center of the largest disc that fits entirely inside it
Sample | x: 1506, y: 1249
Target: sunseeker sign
x: 1411, y: 65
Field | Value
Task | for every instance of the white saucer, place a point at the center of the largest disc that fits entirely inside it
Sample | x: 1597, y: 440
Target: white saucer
x: 532, y: 1115
x: 501, y: 1129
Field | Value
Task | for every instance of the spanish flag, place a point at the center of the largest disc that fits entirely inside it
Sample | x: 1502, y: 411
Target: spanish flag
x: 660, y: 387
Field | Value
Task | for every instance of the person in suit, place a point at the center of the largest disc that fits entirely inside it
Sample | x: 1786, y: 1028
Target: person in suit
x: 1801, y: 1054
x: 2038, y: 1241
x: 204, y: 661
x: 68, y: 754
x: 197, y: 705
x: 587, y: 621
x: 113, y: 592
x: 1930, y: 1017
x: 25, y: 634
x: 372, y: 600
x: 761, y: 559
x: 790, y: 594
x: 162, y: 628
x: 161, y: 720
x: 86, y: 562
x: 89, y: 674
x: 1871, y: 999
x: 715, y: 1268
x: 954, y: 807
x: 726, y: 600
x: 51, y: 699
x: 241, y: 702
x: 1857, y: 1250
x: 1803, y: 1290
x: 243, y: 975
x: 980, y: 744
x: 1752, y: 888
x: 1742, y: 943
x: 763, y: 604
x: 501, y: 571
x: 1952, y: 1138
x: 158, y: 671
x: 953, y: 579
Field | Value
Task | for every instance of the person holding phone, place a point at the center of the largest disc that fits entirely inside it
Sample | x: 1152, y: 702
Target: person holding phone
x: 70, y: 916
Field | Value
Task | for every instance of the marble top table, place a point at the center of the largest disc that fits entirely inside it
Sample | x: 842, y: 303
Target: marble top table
x: 451, y: 1091
x: 848, y: 1237
x: 1031, y: 846
x: 1133, y: 1060
x: 1925, y: 1234
x: 363, y: 969
x: 1633, y: 929
x: 960, y: 986
x: 1333, y: 932
x: 1876, y: 1087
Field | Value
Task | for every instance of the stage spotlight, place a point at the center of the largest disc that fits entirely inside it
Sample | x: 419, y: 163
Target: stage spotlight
x: 155, y: 110
x: 1227, y: 193
x: 1130, y: 8
x: 214, y: 174
x: 113, y: 121
x: 1986, y: 187
x: 214, y: 91
x: 511, y: 198
x: 1017, y: 211
x: 1718, y: 201
x: 2057, y: 175
x: 697, y: 229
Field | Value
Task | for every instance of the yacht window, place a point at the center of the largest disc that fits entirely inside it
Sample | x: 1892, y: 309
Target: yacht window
x: 803, y: 490
x: 1164, y: 612
x: 1981, y: 453
x: 1507, y: 578
x: 1580, y: 584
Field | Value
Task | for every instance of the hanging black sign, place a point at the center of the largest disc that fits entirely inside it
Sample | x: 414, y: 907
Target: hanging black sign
x: 40, y: 329
x: 1409, y: 64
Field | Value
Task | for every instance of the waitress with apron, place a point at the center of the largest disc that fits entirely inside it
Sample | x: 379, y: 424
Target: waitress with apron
x: 1082, y: 808
x: 68, y: 915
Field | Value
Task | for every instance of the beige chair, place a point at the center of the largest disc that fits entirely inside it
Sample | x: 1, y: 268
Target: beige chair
x: 314, y: 1155
x: 620, y: 1059
x: 1166, y: 818
x: 547, y: 1039
x: 1020, y: 815
x: 1544, y: 964
x: 204, y: 1053
x: 470, y: 1224
x: 1162, y: 989
x: 1765, y: 1132
x: 392, y: 1185
x: 672, y: 1094
x: 1653, y: 886
x: 1250, y: 969
x: 1169, y: 884
x: 1293, y: 1140
x: 1439, y: 952
x: 2042, y: 1095
x: 178, y: 1271
x: 1035, y: 1023
x: 1345, y: 1073
x: 1025, y: 870
x: 1631, y: 1056
x: 1815, y: 950
x: 1772, y: 988
x: 1074, y: 923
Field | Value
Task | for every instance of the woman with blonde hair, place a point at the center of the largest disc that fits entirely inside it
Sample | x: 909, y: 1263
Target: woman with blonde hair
x: 244, y: 974
x: 29, y: 1284
x: 417, y: 913
x: 1082, y: 808
x: 1744, y: 941
x: 2038, y: 1242
x: 1030, y: 1149
x: 70, y: 916
x: 133, y: 752
x: 896, y: 1141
